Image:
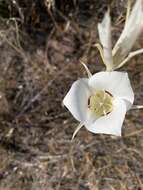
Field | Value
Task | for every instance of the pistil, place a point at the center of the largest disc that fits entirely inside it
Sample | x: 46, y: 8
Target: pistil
x: 101, y: 103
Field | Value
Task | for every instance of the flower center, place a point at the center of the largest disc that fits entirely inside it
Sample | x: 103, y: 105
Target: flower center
x: 101, y: 103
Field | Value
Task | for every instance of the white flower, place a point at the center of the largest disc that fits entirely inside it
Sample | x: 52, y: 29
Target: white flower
x: 101, y: 102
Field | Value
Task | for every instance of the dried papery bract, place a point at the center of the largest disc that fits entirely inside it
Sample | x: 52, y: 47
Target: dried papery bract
x: 86, y: 69
x: 117, y: 57
x: 130, y: 33
x: 104, y: 30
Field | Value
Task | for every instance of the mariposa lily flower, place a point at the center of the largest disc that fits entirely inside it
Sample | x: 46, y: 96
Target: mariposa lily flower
x: 101, y: 101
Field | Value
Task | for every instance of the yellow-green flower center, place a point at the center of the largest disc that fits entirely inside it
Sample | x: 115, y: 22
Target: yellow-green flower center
x: 101, y: 103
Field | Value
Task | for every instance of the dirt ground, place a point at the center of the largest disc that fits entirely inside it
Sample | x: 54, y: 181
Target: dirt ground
x: 40, y: 48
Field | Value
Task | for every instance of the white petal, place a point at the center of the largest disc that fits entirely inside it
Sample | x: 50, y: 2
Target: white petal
x: 104, y: 30
x: 117, y: 83
x: 131, y: 31
x: 111, y: 123
x: 76, y: 99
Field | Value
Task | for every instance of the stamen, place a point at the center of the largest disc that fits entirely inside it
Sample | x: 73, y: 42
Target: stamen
x: 108, y: 93
x: 101, y: 103
x: 88, y: 101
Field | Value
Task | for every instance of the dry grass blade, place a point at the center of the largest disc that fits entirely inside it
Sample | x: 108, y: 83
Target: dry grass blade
x: 137, y: 132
